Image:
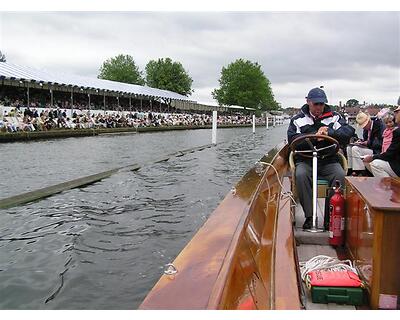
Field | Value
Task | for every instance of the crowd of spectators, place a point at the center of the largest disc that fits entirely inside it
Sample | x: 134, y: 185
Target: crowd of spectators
x: 32, y: 118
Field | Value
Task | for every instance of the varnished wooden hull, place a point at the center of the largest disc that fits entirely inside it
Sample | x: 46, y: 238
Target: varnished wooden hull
x: 243, y: 257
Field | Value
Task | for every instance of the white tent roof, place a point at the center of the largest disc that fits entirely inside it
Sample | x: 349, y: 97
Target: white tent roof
x: 12, y: 71
x: 238, y: 107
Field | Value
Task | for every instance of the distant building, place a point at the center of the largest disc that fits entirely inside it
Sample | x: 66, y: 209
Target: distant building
x: 291, y: 111
x: 352, y: 111
x: 372, y: 110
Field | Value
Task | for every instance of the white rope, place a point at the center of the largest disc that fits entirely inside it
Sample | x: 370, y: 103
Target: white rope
x: 285, y: 192
x: 322, y: 262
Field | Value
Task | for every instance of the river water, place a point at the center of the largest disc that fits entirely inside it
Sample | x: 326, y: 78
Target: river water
x: 104, y: 246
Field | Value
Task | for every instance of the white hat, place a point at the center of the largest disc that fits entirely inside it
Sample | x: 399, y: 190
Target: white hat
x: 362, y: 119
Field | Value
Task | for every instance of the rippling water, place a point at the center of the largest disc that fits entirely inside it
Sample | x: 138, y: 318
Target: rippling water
x: 104, y: 246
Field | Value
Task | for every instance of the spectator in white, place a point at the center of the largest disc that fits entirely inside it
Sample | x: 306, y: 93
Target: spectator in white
x: 370, y: 144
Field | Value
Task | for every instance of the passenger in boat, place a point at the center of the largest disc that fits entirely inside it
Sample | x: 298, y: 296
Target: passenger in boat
x: 316, y: 117
x: 389, y: 119
x: 370, y: 144
x: 387, y: 163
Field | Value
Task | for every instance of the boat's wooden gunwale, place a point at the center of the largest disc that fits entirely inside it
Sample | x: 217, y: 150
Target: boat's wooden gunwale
x: 213, y: 259
x: 286, y: 286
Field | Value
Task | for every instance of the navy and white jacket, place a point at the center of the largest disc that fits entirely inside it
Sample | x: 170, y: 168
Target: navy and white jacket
x: 304, y: 123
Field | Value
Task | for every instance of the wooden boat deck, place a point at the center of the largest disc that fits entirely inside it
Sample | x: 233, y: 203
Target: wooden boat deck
x: 310, y: 245
x: 308, y: 237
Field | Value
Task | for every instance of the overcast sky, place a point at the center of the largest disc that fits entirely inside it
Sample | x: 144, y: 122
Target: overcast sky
x: 352, y: 54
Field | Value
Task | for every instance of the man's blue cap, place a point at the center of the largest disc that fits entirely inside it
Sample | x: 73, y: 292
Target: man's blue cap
x: 317, y: 95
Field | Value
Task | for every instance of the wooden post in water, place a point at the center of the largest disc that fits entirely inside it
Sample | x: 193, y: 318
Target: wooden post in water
x: 104, y: 102
x: 27, y: 92
x: 214, y: 128
x: 254, y: 123
x: 72, y: 101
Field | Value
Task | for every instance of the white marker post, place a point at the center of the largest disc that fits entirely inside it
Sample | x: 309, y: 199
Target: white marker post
x: 274, y: 121
x: 214, y: 128
x: 267, y: 122
x: 254, y: 123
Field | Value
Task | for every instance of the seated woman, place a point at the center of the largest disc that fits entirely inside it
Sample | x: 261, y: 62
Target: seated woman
x: 389, y: 121
x: 387, y: 163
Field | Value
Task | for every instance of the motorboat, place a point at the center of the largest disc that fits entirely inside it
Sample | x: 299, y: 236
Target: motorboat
x: 248, y: 254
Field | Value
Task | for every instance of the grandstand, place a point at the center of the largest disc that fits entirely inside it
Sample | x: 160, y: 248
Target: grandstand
x: 46, y: 88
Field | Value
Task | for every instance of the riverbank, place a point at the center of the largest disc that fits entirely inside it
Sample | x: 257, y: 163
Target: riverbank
x: 63, y: 133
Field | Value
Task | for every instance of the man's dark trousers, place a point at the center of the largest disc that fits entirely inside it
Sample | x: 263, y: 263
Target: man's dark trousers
x: 329, y: 171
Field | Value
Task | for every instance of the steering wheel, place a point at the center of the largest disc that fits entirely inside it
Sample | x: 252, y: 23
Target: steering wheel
x: 332, y: 148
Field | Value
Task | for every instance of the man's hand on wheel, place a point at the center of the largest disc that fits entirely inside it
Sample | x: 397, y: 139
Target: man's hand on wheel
x: 323, y: 131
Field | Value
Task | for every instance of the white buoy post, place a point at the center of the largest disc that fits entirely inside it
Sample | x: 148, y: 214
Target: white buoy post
x: 254, y: 123
x: 274, y: 121
x: 267, y: 122
x: 214, y: 128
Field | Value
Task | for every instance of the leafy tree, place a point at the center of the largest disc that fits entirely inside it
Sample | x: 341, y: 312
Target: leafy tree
x: 168, y: 75
x: 352, y: 103
x: 121, y: 68
x: 2, y: 57
x: 243, y: 83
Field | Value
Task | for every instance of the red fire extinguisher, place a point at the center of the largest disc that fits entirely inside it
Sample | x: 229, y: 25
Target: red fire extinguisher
x: 336, y: 217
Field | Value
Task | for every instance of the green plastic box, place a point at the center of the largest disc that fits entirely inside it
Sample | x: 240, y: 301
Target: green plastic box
x: 341, y: 295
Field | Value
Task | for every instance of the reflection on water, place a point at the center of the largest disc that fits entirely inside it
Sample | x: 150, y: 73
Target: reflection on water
x: 104, y: 246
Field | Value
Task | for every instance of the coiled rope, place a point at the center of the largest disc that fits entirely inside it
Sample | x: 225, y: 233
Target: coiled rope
x: 327, y: 263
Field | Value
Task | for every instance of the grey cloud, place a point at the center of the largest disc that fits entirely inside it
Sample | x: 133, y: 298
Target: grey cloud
x: 301, y: 48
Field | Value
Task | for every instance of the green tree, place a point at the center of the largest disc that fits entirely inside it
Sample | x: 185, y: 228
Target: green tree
x: 2, y: 57
x: 168, y: 75
x: 352, y: 103
x: 243, y: 83
x: 121, y: 68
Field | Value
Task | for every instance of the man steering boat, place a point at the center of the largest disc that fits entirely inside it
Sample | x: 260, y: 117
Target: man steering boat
x: 316, y: 117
